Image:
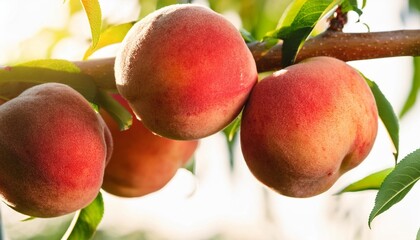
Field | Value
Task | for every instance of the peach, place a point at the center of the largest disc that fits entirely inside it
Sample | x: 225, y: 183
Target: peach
x: 142, y: 162
x: 53, y: 151
x: 306, y: 125
x: 185, y: 71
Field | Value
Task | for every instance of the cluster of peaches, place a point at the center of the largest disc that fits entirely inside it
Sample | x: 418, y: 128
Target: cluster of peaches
x: 185, y: 73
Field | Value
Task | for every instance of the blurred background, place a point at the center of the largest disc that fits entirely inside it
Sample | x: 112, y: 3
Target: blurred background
x: 222, y: 202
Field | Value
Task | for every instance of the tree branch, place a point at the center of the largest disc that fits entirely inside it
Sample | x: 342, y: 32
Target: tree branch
x: 101, y: 71
x: 344, y: 46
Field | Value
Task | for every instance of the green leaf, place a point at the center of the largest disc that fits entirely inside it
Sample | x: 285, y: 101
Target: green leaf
x: 53, y: 64
x: 387, y: 115
x: 15, y: 79
x: 252, y: 13
x: 414, y: 4
x: 111, y: 35
x: 247, y: 36
x: 397, y: 184
x: 74, y: 6
x: 415, y: 87
x: 118, y: 112
x: 94, y: 14
x: 351, y: 5
x: 371, y: 182
x: 418, y: 235
x: 231, y: 130
x: 190, y: 165
x: 297, y: 23
x: 86, y: 221
x: 257, y: 16
x: 30, y: 218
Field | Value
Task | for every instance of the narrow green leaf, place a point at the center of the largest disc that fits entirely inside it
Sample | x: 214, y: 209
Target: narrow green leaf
x: 94, y: 15
x: 247, y: 36
x: 111, y: 35
x: 118, y: 112
x: 415, y: 88
x: 74, y: 6
x: 190, y: 166
x: 397, y: 184
x: 30, y: 218
x: 53, y: 64
x: 269, y: 42
x: 414, y: 5
x: 257, y: 16
x: 371, y: 182
x: 351, y: 5
x: 289, y: 15
x: 231, y: 130
x: 252, y: 14
x: 297, y: 23
x: 94, y: 106
x: 86, y: 221
x: 418, y: 235
x: 387, y: 115
x: 15, y: 79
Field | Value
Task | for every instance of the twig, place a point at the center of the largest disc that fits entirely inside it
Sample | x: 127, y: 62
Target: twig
x: 338, y: 20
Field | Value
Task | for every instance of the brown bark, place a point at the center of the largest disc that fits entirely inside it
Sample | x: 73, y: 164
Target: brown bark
x: 344, y: 46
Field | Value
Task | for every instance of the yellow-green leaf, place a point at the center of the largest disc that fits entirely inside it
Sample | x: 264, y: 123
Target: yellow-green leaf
x: 111, y: 35
x: 418, y: 235
x: 53, y: 64
x: 118, y: 112
x: 86, y: 221
x: 16, y: 79
x: 230, y: 132
x: 190, y: 165
x: 371, y: 182
x: 94, y: 15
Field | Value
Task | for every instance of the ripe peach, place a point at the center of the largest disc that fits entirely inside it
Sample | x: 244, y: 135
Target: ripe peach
x: 306, y: 125
x: 53, y: 151
x: 142, y: 162
x: 185, y: 71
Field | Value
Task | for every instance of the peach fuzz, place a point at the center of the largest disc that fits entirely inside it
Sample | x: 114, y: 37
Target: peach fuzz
x: 142, y: 162
x: 306, y: 125
x: 53, y: 151
x: 185, y: 71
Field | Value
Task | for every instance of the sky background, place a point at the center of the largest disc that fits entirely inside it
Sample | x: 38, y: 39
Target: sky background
x: 217, y: 203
